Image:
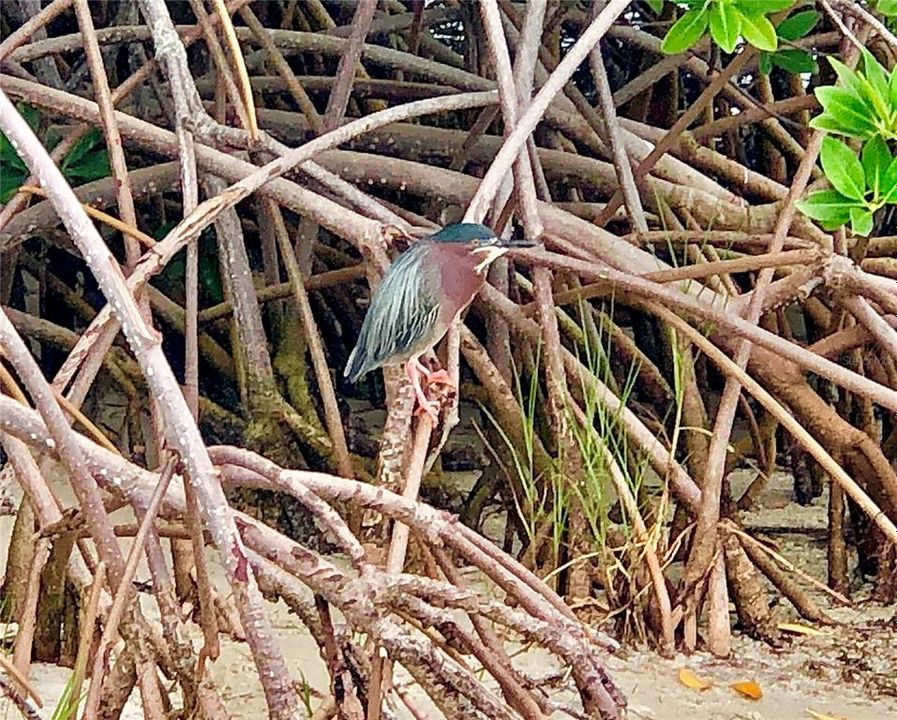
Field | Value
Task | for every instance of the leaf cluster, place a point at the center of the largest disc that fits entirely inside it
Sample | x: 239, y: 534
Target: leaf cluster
x: 863, y: 107
x: 860, y: 186
x: 728, y: 22
x: 888, y: 8
x: 792, y: 60
x: 87, y: 160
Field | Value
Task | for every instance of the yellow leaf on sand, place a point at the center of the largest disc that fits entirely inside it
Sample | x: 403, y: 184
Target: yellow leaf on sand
x: 799, y: 629
x: 822, y: 716
x: 690, y: 680
x: 748, y: 688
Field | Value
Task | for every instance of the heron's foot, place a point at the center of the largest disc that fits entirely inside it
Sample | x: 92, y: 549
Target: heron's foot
x: 440, y: 390
x: 440, y: 377
x: 425, y: 404
x: 433, y: 377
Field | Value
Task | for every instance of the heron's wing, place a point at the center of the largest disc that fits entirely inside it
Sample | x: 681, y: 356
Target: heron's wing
x: 403, y: 312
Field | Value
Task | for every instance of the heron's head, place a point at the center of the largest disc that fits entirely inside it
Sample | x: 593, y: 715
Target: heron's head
x: 483, y: 244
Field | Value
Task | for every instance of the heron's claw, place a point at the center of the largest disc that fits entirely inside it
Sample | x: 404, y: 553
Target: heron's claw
x: 431, y: 409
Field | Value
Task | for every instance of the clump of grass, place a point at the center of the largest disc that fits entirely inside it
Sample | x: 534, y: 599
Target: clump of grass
x: 539, y: 497
x: 546, y: 502
x: 602, y: 437
x: 305, y: 694
x: 67, y: 707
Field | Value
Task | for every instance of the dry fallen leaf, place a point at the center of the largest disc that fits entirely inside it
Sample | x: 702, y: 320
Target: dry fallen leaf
x: 748, y: 688
x: 822, y: 716
x: 801, y: 629
x: 690, y: 680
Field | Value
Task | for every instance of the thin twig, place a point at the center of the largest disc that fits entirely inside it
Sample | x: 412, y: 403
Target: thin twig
x: 345, y: 71
x: 237, y: 58
x: 615, y: 139
x: 316, y: 282
x: 313, y: 340
x: 381, y: 667
x: 695, y: 272
x: 125, y: 592
x: 109, y: 220
x: 16, y: 698
x: 880, y: 330
x: 784, y: 562
x: 18, y: 677
x: 527, y: 122
x: 114, y: 145
x: 85, y: 641
x: 284, y: 70
x: 687, y: 118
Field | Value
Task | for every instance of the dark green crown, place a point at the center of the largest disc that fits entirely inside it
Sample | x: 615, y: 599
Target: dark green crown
x: 465, y: 233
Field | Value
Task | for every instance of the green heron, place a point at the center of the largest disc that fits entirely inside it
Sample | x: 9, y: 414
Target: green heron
x: 421, y: 294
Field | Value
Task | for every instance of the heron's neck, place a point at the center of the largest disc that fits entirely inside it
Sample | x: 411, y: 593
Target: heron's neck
x: 461, y: 280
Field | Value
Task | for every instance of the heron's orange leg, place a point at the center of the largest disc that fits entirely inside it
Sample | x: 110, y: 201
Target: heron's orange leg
x: 419, y: 366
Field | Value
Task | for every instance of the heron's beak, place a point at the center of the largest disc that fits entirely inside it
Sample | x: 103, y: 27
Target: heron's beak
x: 515, y: 243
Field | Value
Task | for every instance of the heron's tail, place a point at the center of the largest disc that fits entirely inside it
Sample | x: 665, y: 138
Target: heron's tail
x: 359, y: 363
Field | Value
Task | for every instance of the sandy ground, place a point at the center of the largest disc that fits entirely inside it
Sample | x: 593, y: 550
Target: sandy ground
x: 649, y: 683
x: 838, y: 674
